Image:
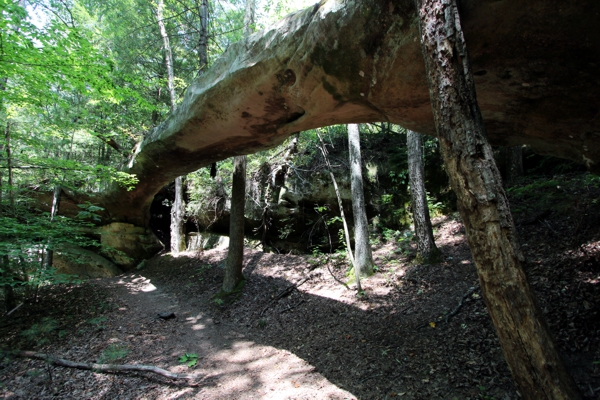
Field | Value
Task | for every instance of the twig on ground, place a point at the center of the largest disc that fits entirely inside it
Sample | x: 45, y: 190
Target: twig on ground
x: 288, y: 290
x: 13, y: 310
x: 290, y: 308
x: 336, y: 279
x: 460, y: 303
x: 101, y: 367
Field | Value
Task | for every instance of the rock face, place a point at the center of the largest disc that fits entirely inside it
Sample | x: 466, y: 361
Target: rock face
x: 131, y: 244
x: 535, y: 66
x: 84, y: 263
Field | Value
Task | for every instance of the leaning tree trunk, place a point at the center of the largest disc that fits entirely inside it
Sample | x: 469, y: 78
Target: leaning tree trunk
x: 342, y: 216
x: 427, y: 251
x: 235, y: 255
x: 363, y: 257
x: 529, y: 349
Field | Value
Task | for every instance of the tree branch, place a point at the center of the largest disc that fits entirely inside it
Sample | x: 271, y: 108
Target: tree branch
x: 101, y: 367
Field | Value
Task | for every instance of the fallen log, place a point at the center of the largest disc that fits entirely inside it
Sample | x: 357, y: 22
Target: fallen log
x: 101, y: 367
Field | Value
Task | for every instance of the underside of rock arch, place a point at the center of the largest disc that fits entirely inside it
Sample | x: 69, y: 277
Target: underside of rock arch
x: 535, y: 64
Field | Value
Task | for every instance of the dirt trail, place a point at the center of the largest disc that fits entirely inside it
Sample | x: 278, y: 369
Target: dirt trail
x: 321, y: 341
x: 230, y: 365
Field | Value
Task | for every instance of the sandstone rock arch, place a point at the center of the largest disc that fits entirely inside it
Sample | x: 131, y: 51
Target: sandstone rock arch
x: 535, y: 66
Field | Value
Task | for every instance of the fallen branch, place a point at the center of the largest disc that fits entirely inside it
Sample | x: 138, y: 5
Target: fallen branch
x: 286, y: 292
x: 289, y: 289
x: 101, y: 367
x: 334, y: 277
x: 290, y: 308
x: 13, y: 310
x: 460, y: 303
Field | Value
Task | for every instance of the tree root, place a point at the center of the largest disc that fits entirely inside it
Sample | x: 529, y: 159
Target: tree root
x: 101, y: 367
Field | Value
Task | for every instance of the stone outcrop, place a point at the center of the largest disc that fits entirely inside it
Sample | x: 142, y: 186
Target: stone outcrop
x: 535, y: 66
x: 75, y: 260
x: 128, y: 244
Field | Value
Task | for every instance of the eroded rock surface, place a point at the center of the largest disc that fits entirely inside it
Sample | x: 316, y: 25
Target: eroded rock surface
x: 75, y: 260
x: 535, y: 66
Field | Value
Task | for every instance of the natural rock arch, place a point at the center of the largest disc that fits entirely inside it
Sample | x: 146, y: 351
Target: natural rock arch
x: 360, y: 61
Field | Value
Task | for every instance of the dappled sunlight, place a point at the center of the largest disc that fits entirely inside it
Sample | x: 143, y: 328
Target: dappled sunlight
x: 137, y: 283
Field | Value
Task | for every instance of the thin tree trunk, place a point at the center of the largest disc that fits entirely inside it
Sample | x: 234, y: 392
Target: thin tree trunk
x: 427, y: 251
x: 529, y: 349
x: 363, y: 257
x: 342, y: 216
x: 168, y: 53
x: 249, y: 17
x: 203, y: 42
x: 235, y: 255
x: 177, y: 217
x: 178, y: 207
x: 514, y: 163
x: 11, y: 191
x: 10, y: 300
x: 48, y: 257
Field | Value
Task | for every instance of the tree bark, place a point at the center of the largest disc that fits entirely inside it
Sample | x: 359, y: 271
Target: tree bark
x: 529, y: 349
x: 203, y: 42
x: 427, y: 251
x: 235, y: 255
x: 363, y: 257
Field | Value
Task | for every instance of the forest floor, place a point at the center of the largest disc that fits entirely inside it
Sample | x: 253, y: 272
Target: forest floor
x: 417, y: 332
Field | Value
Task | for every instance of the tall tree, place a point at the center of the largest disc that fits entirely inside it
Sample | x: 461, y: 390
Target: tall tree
x: 342, y: 216
x: 427, y: 251
x: 532, y: 356
x: 235, y: 255
x: 363, y: 257
x: 178, y: 206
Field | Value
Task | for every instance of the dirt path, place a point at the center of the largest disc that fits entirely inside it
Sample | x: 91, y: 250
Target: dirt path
x: 230, y: 365
x: 319, y: 342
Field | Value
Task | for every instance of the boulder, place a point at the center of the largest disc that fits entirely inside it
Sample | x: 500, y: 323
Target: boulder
x: 206, y: 240
x: 75, y: 260
x: 127, y: 244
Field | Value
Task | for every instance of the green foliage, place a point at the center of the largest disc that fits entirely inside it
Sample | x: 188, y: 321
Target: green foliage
x: 436, y: 208
x: 113, y: 352
x: 189, y: 359
x: 98, y: 322
x: 41, y: 332
x: 200, y: 271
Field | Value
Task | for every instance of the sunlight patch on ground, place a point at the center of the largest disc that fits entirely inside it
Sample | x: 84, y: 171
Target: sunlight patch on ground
x: 137, y: 283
